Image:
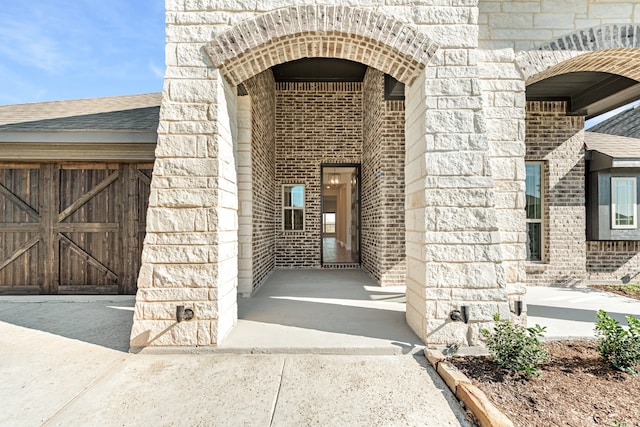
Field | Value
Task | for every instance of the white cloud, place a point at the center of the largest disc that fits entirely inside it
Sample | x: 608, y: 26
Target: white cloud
x: 157, y: 71
x: 26, y: 43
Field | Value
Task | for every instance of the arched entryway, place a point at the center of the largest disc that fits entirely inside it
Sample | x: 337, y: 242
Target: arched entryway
x: 191, y: 251
x: 574, y: 78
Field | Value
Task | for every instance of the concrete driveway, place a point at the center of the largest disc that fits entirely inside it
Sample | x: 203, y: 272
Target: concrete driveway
x: 64, y: 361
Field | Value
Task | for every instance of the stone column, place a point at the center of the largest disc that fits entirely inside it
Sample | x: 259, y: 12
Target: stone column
x: 190, y: 252
x: 503, y: 96
x: 453, y: 252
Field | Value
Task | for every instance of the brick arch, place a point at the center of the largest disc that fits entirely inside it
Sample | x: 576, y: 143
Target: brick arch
x: 287, y: 34
x: 611, y: 48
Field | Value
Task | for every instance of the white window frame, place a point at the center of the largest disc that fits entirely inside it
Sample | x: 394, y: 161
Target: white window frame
x: 294, y: 208
x: 541, y: 219
x: 633, y: 181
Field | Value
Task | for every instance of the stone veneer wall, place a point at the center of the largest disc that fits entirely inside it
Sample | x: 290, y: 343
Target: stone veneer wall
x: 557, y: 140
x: 613, y: 262
x: 261, y: 89
x: 190, y: 250
x: 190, y: 254
x: 503, y: 103
x: 524, y: 25
x: 383, y: 228
x: 316, y: 123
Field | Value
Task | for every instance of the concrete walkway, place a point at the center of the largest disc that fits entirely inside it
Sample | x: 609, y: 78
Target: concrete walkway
x: 323, y: 312
x: 64, y: 361
x: 570, y: 312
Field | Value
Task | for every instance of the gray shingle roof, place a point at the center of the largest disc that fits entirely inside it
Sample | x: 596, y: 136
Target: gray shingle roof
x: 143, y: 119
x: 131, y: 112
x: 626, y: 124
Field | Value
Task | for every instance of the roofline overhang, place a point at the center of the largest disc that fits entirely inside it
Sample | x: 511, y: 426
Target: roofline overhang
x: 78, y: 136
x: 625, y: 163
x: 599, y: 161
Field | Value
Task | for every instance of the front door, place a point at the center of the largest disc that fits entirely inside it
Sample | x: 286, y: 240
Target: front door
x: 340, y: 214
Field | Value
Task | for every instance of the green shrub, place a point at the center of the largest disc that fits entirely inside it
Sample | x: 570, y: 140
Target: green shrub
x: 617, y: 345
x: 515, y: 347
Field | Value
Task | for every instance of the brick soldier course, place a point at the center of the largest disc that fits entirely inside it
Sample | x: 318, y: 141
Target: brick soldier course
x: 446, y: 218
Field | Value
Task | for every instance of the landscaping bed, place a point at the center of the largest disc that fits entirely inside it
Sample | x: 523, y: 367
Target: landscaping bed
x: 630, y: 290
x: 576, y: 388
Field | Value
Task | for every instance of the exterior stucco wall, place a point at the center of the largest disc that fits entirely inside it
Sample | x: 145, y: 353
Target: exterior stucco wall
x: 316, y: 123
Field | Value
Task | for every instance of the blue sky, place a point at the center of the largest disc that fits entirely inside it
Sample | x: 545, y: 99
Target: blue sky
x: 69, y: 49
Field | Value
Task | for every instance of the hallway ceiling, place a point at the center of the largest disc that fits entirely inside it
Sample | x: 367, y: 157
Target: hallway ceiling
x: 319, y: 70
x: 587, y: 93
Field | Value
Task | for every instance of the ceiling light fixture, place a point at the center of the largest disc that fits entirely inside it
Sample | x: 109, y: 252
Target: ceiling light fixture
x: 334, y: 178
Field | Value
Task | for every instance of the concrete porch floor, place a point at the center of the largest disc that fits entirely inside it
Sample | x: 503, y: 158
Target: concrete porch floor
x: 323, y: 311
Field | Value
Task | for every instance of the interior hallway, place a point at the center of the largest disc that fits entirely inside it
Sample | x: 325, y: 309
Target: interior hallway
x: 332, y: 252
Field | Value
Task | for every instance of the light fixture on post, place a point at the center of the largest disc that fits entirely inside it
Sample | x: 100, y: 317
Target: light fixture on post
x: 334, y: 178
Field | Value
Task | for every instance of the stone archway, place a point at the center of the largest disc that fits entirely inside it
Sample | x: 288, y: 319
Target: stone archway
x: 190, y: 256
x: 607, y: 48
x: 284, y: 35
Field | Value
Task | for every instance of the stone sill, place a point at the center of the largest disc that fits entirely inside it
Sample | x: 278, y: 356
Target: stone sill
x: 536, y: 267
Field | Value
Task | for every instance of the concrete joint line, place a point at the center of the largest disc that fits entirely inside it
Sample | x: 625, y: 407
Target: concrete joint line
x: 275, y: 400
x: 88, y: 387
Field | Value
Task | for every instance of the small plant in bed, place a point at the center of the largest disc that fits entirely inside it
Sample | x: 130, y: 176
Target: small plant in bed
x: 617, y: 345
x: 515, y: 347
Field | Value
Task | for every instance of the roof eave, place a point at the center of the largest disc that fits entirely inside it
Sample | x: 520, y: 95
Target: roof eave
x: 79, y: 136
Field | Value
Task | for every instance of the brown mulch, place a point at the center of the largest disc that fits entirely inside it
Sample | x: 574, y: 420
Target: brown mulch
x: 627, y: 291
x: 576, y: 389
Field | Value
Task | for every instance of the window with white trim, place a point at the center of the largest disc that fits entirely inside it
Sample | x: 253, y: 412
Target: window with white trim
x: 534, y: 208
x: 293, y: 207
x: 624, y: 211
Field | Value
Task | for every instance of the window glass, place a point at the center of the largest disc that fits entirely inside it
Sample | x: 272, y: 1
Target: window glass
x: 534, y: 208
x: 294, y: 196
x: 533, y: 193
x: 534, y: 241
x: 293, y: 207
x: 623, y: 202
x: 329, y: 221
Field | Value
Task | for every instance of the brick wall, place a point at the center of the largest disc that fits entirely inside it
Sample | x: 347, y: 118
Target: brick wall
x: 613, y: 261
x: 557, y: 140
x: 261, y: 88
x: 316, y: 123
x: 383, y: 227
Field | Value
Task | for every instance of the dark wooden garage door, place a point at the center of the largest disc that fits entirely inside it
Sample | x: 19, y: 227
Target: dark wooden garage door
x: 72, y: 228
